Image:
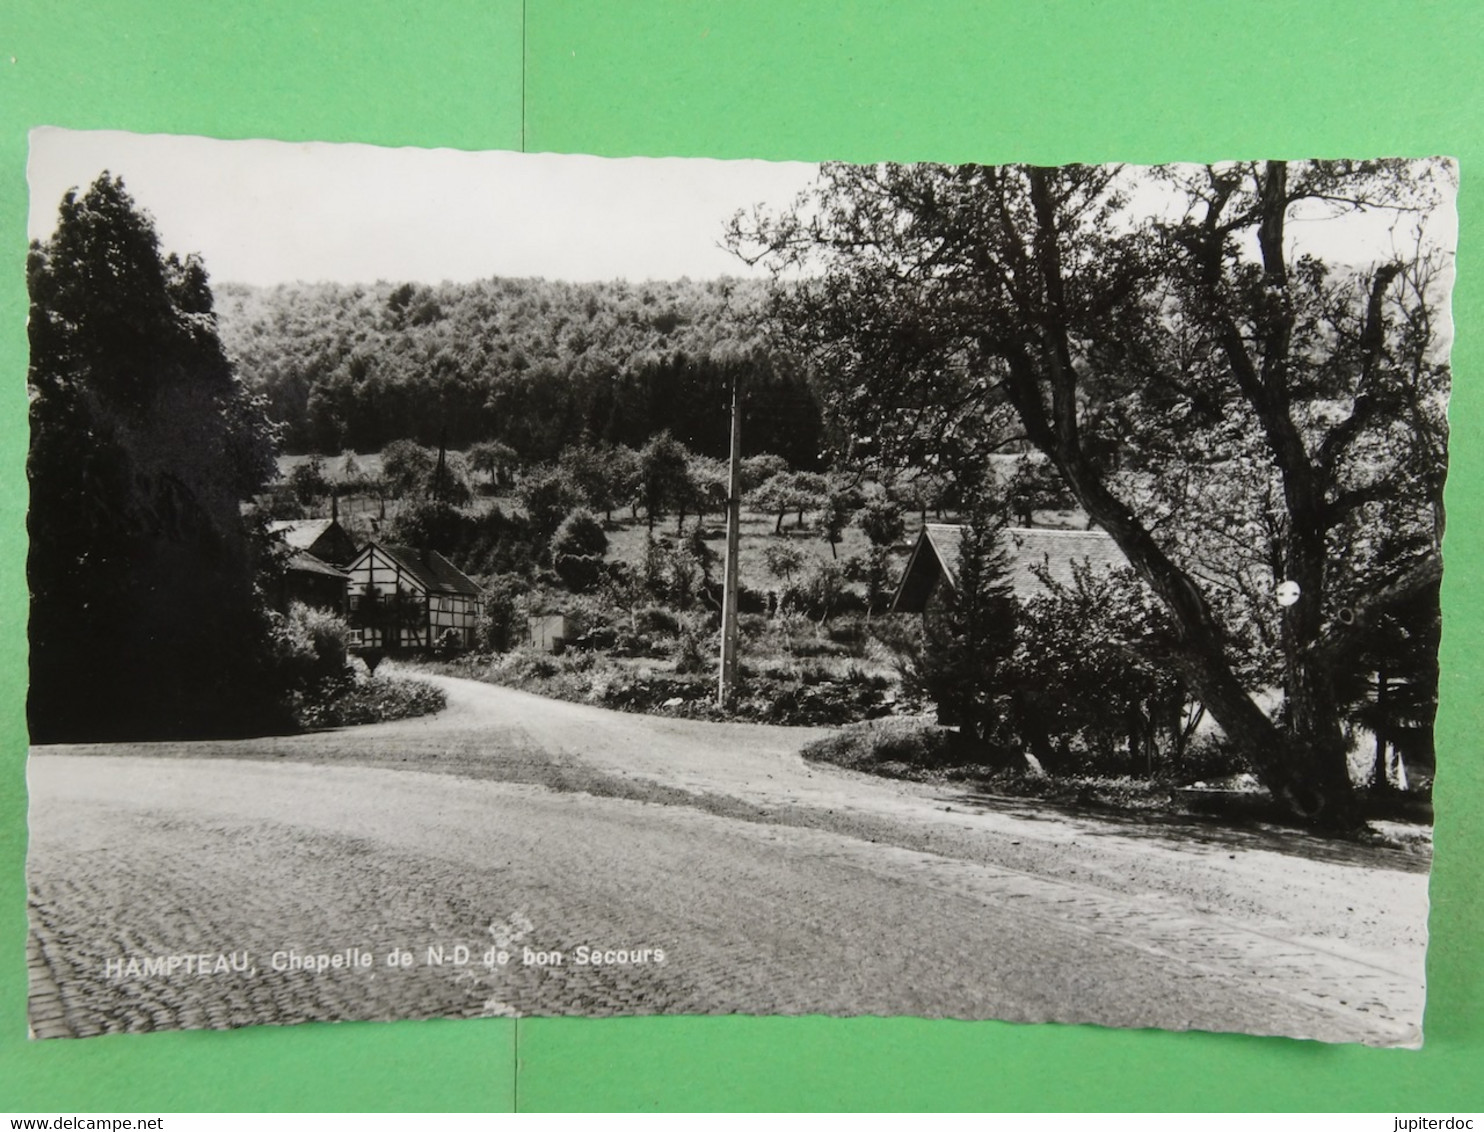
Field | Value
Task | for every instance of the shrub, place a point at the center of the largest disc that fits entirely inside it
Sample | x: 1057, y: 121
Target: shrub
x: 901, y: 638
x: 696, y: 650
x: 850, y: 629
x: 874, y: 569
x: 820, y: 592
x: 815, y: 673
x: 857, y: 676
x: 656, y: 619
x: 577, y: 550
x: 501, y: 544
x: 1209, y: 756
x: 677, y: 574
x: 580, y: 533
x: 448, y: 643
x: 784, y: 561
x: 499, y: 625
x: 377, y: 699
x: 886, y: 743
x: 311, y: 647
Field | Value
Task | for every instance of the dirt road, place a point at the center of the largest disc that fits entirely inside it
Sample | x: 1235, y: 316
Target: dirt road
x: 514, y: 824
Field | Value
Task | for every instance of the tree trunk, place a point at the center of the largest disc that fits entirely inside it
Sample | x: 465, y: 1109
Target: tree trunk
x: 1028, y: 722
x: 1380, y: 779
x: 1304, y: 767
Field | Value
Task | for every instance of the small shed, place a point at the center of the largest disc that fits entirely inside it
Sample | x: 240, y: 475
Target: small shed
x: 548, y: 632
x: 935, y: 555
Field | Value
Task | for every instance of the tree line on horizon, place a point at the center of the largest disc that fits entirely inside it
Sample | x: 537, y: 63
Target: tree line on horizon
x: 534, y: 364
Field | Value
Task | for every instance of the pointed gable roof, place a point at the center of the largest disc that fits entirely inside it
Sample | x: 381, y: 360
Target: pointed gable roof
x: 432, y: 571
x: 302, y: 562
x: 301, y: 534
x: 935, y: 557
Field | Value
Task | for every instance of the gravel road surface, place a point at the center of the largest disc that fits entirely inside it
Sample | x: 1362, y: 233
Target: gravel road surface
x: 320, y: 877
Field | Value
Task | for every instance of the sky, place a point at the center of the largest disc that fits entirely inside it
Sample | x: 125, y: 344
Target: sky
x: 266, y: 212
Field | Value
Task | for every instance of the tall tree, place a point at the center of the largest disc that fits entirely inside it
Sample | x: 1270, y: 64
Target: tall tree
x: 962, y: 311
x: 969, y: 630
x: 144, y: 618
x: 664, y: 480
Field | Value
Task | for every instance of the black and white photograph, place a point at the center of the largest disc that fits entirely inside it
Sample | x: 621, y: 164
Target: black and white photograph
x: 471, y: 585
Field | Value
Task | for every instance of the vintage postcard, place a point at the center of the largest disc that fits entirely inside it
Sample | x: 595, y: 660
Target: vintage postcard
x: 493, y: 584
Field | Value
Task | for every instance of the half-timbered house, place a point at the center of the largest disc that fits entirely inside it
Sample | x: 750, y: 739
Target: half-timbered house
x: 405, y: 598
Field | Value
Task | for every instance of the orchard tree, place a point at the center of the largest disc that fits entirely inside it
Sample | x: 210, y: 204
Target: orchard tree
x: 449, y: 481
x: 547, y: 497
x: 495, y: 461
x: 758, y: 469
x: 1036, y: 486
x: 712, y: 479
x: 352, y: 475
x: 665, y: 481
x: 790, y: 491
x: 309, y: 482
x: 784, y: 560
x: 778, y: 493
x: 144, y: 445
x: 841, y: 504
x: 407, y: 468
x: 882, y: 522
x: 623, y: 476
x: 587, y: 467
x: 1104, y: 316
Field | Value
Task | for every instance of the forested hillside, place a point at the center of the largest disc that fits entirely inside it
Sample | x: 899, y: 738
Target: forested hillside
x: 533, y: 363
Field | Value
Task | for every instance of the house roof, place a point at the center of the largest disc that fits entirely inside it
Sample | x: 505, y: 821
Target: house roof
x: 302, y: 562
x: 936, y: 556
x: 300, y: 533
x: 432, y: 571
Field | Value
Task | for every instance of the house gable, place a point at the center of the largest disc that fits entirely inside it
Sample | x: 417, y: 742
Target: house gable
x: 449, y: 600
x: 326, y: 539
x: 1028, y: 550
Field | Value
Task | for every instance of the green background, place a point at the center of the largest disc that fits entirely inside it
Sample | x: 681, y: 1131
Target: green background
x: 990, y: 81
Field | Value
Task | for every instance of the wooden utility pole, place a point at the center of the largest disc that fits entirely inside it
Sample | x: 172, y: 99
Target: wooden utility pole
x: 727, y: 684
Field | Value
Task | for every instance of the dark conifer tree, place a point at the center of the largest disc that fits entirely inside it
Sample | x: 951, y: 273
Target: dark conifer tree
x: 144, y: 616
x: 970, y: 629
